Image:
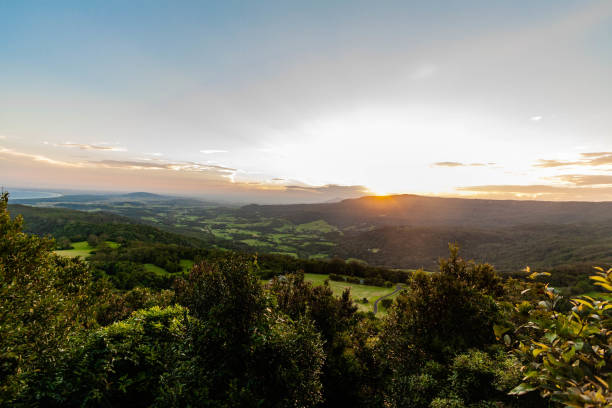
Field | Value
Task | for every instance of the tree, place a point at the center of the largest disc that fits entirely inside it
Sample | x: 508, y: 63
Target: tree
x: 438, y: 317
x: 44, y: 299
x: 63, y: 243
x: 92, y: 240
x: 245, y: 351
x: 139, y: 362
x: 346, y: 376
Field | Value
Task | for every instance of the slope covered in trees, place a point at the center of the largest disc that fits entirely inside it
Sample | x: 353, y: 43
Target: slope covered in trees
x: 436, y: 211
x: 461, y: 337
x: 78, y: 225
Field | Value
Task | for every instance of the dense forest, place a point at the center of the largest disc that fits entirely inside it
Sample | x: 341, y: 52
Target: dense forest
x: 73, y: 334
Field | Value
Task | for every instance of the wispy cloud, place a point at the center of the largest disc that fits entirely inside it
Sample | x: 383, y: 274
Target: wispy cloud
x: 586, y: 159
x: 38, y: 158
x: 92, y: 147
x: 586, y: 179
x: 126, y: 164
x: 213, y: 151
x: 163, y: 165
x: 459, y: 164
x: 526, y: 189
x: 578, y: 192
x: 332, y: 189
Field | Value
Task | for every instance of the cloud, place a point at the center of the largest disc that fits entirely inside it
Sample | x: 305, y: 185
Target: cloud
x: 544, y: 163
x: 459, y: 164
x: 126, y: 164
x: 331, y: 189
x: 586, y: 179
x: 38, y: 158
x: 92, y: 147
x: 503, y: 188
x: 579, y: 192
x: 587, y: 159
x: 536, y: 118
x: 212, y: 151
x: 163, y: 165
x: 187, y: 178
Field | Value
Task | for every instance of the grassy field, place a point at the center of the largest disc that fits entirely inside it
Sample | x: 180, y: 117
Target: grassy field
x: 81, y: 249
x: 186, y: 264
x: 154, y: 268
x: 358, y: 292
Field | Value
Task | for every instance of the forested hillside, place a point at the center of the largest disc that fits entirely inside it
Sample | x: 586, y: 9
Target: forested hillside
x: 508, y: 248
x: 461, y: 337
x: 78, y: 225
x: 416, y: 210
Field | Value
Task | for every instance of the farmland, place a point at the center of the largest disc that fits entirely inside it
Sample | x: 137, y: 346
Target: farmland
x: 358, y: 292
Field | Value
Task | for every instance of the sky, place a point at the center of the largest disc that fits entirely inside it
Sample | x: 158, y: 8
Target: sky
x: 293, y: 101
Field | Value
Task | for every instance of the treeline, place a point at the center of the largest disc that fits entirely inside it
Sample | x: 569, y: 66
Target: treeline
x: 279, y: 264
x: 124, y: 265
x: 460, y: 338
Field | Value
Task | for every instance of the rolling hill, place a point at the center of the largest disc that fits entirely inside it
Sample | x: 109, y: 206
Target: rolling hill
x: 437, y: 211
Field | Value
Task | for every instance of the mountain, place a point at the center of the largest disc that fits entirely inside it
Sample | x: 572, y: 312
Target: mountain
x: 437, y: 211
x: 144, y: 195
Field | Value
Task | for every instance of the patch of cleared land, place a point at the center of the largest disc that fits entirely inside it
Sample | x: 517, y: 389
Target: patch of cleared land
x: 358, y: 292
x: 81, y: 249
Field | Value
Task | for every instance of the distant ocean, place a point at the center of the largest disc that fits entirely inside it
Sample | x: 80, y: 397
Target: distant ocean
x: 17, y: 194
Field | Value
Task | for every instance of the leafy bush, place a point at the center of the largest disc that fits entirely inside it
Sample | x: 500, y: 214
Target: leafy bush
x: 568, y: 356
x: 127, y: 363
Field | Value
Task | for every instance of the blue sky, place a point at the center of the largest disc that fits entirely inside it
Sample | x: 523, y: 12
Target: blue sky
x: 306, y: 101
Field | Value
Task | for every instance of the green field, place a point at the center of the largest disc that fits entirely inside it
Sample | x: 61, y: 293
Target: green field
x: 358, y: 292
x: 81, y: 249
x: 316, y: 226
x: 154, y: 268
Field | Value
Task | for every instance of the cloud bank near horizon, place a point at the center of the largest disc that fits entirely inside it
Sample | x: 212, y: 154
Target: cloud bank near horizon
x: 254, y: 98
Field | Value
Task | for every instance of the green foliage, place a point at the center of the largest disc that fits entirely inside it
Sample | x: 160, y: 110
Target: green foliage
x: 568, y: 356
x: 221, y: 338
x: 44, y: 299
x: 248, y: 352
x: 113, y: 306
x: 437, y: 338
x: 476, y: 376
x: 344, y: 380
x: 129, y: 363
x: 440, y: 315
x: 386, y: 303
